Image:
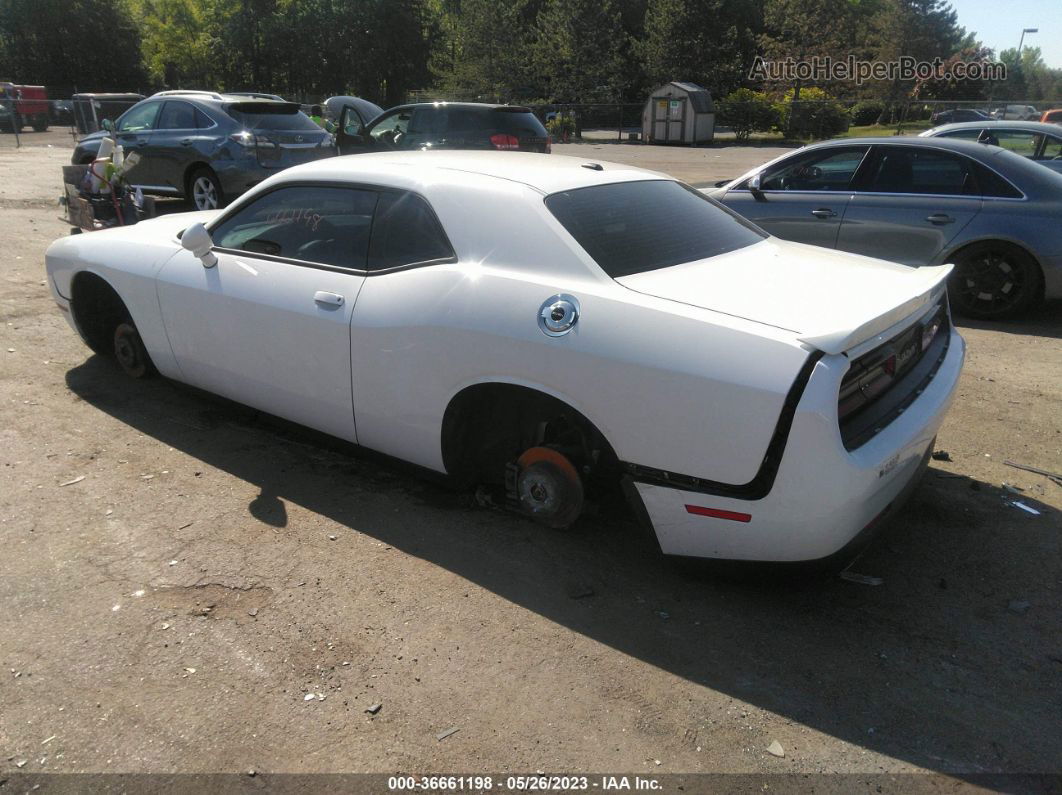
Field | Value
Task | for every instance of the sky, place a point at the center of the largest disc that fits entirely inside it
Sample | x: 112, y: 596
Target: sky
x: 999, y: 24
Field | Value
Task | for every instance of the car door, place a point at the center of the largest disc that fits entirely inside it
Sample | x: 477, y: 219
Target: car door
x: 909, y: 204
x: 269, y: 325
x: 181, y: 137
x: 350, y: 132
x: 803, y: 197
x: 134, y: 132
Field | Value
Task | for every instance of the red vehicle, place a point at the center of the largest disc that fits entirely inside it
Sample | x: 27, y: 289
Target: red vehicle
x: 1052, y: 116
x: 27, y: 104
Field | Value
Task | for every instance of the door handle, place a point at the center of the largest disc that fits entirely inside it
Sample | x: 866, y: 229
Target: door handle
x: 824, y: 212
x: 328, y: 299
x: 940, y: 219
x: 187, y: 142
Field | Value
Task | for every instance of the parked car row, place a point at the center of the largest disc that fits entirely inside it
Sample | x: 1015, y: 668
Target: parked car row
x: 209, y: 147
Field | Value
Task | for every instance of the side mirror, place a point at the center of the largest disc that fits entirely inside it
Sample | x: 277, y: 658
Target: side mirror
x: 108, y: 125
x: 197, y: 239
x: 754, y: 183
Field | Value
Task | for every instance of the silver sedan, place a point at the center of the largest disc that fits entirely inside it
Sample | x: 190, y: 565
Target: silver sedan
x: 1032, y: 139
x: 920, y: 201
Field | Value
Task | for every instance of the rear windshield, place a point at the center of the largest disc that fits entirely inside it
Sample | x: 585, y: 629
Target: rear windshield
x: 521, y: 123
x: 633, y: 227
x: 260, y: 116
x: 525, y: 123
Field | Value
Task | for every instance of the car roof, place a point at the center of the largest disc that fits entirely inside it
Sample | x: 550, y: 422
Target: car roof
x: 479, y: 105
x: 1030, y: 126
x: 544, y: 173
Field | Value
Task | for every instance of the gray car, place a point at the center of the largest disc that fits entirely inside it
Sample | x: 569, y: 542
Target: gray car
x: 920, y: 201
x: 210, y: 147
x: 1031, y: 139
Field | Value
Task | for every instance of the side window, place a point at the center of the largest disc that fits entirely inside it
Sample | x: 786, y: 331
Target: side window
x: 829, y: 170
x: 176, y: 116
x: 1020, y: 142
x: 140, y: 118
x: 325, y: 225
x: 388, y: 132
x: 1052, y: 148
x: 406, y: 232
x: 352, y: 123
x: 970, y: 134
x: 428, y: 121
x: 994, y: 186
x: 903, y: 169
x: 202, y: 121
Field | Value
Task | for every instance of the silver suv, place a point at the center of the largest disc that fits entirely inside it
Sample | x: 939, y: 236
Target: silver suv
x: 209, y: 147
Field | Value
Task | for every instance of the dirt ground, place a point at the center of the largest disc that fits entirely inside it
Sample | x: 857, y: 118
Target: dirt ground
x: 187, y: 585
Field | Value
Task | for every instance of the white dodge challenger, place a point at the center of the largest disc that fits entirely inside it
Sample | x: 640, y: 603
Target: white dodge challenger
x: 547, y: 325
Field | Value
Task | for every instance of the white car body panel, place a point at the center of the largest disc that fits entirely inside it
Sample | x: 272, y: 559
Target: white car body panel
x: 692, y: 369
x: 250, y: 329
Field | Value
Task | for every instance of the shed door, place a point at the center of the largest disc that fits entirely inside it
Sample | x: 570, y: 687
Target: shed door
x: 660, y: 125
x: 676, y: 119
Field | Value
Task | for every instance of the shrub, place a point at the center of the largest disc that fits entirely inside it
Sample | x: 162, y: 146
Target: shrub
x: 746, y: 111
x: 561, y: 127
x: 814, y: 115
x: 866, y: 112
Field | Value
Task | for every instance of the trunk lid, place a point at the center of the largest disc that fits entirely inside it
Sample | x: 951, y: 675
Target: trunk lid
x: 830, y: 300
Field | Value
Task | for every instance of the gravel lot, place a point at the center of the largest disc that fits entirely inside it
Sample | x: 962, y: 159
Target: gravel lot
x: 180, y: 575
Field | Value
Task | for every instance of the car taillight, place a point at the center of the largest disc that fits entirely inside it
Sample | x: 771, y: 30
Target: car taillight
x: 249, y: 139
x: 503, y: 141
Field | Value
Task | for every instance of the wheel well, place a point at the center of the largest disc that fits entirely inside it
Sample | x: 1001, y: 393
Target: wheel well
x: 97, y: 309
x: 487, y: 426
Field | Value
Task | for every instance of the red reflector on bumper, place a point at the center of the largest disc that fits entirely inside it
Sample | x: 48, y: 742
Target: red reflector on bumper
x: 718, y: 513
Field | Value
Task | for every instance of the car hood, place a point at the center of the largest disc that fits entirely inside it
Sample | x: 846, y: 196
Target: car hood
x: 829, y: 299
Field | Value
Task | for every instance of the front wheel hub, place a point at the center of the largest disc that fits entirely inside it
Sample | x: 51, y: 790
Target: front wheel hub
x: 548, y: 487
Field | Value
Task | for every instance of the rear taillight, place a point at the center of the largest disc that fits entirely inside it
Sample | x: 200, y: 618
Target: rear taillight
x: 249, y: 139
x: 503, y: 141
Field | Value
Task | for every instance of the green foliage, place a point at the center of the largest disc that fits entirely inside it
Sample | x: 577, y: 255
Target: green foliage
x: 90, y: 44
x: 746, y: 111
x: 561, y: 127
x: 814, y: 115
x: 866, y: 112
x: 708, y: 42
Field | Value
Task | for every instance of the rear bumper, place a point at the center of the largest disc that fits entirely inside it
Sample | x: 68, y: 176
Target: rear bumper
x: 243, y: 173
x: 824, y: 496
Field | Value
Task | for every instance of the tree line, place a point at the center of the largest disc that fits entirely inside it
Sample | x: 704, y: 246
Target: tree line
x: 532, y: 51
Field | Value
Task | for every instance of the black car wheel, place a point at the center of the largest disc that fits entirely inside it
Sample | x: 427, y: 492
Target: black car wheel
x: 130, y: 352
x: 204, y: 190
x: 994, y: 281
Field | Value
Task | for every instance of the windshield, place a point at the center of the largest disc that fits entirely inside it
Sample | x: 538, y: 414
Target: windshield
x: 633, y: 227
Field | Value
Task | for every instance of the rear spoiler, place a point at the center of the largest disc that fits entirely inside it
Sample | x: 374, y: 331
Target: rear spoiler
x: 929, y: 286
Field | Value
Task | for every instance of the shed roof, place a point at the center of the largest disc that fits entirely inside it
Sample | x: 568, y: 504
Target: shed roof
x: 700, y: 97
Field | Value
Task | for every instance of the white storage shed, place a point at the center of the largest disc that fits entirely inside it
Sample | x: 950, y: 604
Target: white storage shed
x: 679, y: 113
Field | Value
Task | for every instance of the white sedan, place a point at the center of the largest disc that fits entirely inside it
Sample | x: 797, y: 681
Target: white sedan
x: 548, y: 325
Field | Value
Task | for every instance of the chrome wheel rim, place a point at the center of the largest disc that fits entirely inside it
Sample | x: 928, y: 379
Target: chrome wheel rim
x: 204, y: 194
